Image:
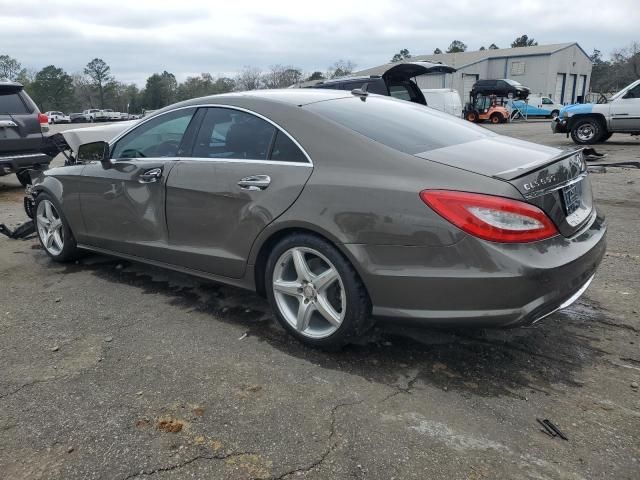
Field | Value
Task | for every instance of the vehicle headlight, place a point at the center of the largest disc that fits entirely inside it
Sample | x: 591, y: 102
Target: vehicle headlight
x: 565, y: 114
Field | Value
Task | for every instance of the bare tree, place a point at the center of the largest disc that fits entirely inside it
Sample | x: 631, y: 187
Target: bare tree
x: 281, y: 76
x: 100, y: 73
x: 10, y: 68
x: 249, y: 78
x: 341, y: 68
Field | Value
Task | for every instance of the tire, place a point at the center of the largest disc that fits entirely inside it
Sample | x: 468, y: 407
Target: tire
x: 606, y: 137
x: 306, y: 270
x: 586, y: 131
x: 471, y: 117
x: 23, y: 177
x: 496, y: 118
x: 47, y: 209
x: 555, y: 113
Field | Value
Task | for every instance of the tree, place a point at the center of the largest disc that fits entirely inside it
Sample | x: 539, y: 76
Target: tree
x: 596, y: 57
x: 160, y: 90
x: 249, y: 78
x: 523, y: 41
x: 341, y: 68
x: 100, y: 74
x: 52, y: 89
x: 401, y: 55
x: 437, y: 51
x: 281, y: 76
x: 493, y: 46
x: 482, y: 48
x: 315, y: 76
x: 456, y: 46
x: 10, y: 68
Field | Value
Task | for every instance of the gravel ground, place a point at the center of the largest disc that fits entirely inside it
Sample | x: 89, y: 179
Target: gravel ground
x: 116, y: 370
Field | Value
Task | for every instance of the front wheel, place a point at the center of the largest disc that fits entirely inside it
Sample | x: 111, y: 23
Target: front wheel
x: 53, y: 230
x: 555, y: 114
x: 496, y: 118
x: 315, y: 292
x: 586, y: 131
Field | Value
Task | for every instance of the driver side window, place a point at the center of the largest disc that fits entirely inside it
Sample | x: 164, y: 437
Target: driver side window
x: 633, y: 93
x: 158, y: 137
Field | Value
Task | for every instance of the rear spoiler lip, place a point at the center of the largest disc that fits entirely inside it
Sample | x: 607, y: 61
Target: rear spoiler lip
x: 521, y: 171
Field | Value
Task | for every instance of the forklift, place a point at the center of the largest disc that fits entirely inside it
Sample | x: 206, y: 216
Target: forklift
x: 485, y: 107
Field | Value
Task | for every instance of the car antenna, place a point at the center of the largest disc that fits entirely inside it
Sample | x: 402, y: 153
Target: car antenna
x: 361, y: 92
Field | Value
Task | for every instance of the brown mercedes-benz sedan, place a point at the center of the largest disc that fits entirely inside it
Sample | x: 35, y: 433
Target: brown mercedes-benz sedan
x: 340, y: 207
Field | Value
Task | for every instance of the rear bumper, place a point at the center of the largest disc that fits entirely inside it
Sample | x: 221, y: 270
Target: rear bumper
x: 559, y: 125
x: 12, y: 163
x: 478, y: 283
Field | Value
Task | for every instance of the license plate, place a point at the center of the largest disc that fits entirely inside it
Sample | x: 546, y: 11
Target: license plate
x: 572, y: 197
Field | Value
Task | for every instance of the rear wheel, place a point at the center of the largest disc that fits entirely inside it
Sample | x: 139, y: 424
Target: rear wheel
x: 495, y: 118
x: 586, y: 131
x: 53, y: 230
x: 315, y: 293
x: 555, y: 114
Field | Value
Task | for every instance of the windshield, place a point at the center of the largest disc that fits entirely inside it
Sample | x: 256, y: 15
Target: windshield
x: 404, y: 126
x: 513, y: 83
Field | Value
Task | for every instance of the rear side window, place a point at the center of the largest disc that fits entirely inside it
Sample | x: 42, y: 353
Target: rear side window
x: 401, y: 125
x: 10, y: 102
x: 284, y: 150
x: 228, y: 133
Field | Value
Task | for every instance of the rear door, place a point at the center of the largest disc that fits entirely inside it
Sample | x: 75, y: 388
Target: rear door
x: 243, y: 173
x: 19, y: 125
x: 123, y: 203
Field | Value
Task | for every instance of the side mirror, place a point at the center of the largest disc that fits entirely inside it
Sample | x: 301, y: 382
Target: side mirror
x: 94, y: 151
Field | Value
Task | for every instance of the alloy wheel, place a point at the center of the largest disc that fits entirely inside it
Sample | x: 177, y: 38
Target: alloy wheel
x: 50, y: 228
x: 309, y: 292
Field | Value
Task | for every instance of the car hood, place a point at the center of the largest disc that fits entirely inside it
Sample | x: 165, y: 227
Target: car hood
x: 576, y: 108
x: 496, y: 156
x: 79, y: 136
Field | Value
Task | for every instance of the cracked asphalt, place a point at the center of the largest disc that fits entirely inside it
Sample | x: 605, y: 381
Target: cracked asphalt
x: 116, y: 370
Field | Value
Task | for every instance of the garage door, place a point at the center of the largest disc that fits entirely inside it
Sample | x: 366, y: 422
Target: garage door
x: 431, y: 81
x: 467, y: 84
x: 558, y: 96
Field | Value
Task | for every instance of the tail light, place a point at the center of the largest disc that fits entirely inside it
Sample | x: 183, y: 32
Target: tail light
x: 44, y: 122
x: 492, y: 218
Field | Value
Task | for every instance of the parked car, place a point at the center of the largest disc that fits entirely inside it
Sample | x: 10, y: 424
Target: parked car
x: 339, y: 207
x: 538, y: 106
x: 77, y: 117
x: 21, y: 132
x: 90, y: 114
x: 395, y: 80
x: 501, y: 88
x: 57, y: 117
x: 107, y: 115
x: 589, y: 123
x: 446, y: 100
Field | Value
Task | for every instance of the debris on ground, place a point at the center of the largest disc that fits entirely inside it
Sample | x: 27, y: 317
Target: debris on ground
x: 551, y: 429
x: 169, y: 425
x: 21, y: 231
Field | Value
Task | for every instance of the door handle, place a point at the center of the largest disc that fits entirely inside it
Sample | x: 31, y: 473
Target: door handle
x: 150, y: 176
x: 255, y: 182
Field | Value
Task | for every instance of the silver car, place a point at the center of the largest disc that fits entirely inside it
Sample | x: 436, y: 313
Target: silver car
x: 340, y: 207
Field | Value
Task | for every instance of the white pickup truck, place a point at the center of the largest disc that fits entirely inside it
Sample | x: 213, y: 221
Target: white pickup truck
x: 590, y: 123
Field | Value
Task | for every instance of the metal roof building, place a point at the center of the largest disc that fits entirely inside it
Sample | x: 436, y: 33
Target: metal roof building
x: 561, y: 71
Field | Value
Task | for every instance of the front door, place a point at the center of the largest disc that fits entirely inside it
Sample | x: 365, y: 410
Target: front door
x: 123, y: 201
x: 243, y: 173
x: 625, y: 111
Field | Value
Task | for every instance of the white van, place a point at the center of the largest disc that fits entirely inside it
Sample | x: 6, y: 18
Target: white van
x: 539, y: 105
x: 444, y: 99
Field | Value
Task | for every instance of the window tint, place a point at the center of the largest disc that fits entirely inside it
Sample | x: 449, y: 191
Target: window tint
x: 400, y: 91
x: 228, y: 133
x: 404, y: 126
x: 10, y: 102
x: 633, y: 93
x: 158, y: 137
x: 284, y: 150
x: 546, y: 101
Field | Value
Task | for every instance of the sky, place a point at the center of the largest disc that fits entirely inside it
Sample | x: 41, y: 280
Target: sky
x: 139, y: 37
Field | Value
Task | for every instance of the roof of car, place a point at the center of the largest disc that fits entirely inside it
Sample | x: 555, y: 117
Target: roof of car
x: 13, y: 85
x: 294, y: 96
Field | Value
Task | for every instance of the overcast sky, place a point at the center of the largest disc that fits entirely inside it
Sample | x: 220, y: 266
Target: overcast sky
x: 140, y: 37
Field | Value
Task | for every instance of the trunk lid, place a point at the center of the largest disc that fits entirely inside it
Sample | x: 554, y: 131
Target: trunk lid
x: 554, y: 180
x: 408, y: 70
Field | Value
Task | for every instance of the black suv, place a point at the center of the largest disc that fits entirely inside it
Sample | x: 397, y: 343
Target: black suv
x: 393, y: 79
x: 21, y: 132
x: 501, y: 88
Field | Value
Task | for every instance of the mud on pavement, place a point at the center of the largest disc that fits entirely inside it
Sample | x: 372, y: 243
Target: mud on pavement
x: 116, y: 370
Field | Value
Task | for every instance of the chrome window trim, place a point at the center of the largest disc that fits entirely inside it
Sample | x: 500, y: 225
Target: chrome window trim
x: 246, y: 160
x: 219, y: 105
